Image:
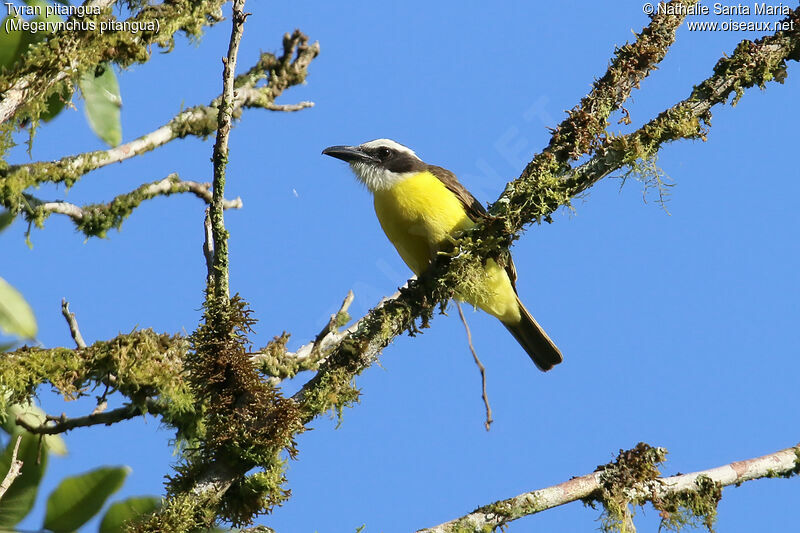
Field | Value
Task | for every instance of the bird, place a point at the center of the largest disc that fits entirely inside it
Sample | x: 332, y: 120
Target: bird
x: 422, y: 207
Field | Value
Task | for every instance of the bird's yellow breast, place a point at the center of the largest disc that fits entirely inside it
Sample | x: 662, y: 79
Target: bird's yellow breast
x: 418, y: 214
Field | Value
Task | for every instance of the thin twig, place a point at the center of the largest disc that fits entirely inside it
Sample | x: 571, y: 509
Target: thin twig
x: 308, y: 356
x: 220, y: 157
x: 61, y: 424
x: 482, y: 369
x: 13, y: 471
x: 498, y: 514
x: 72, y: 322
x: 290, y: 107
x: 331, y: 326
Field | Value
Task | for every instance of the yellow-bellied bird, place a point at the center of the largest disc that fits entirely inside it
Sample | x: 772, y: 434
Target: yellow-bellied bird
x: 420, y: 207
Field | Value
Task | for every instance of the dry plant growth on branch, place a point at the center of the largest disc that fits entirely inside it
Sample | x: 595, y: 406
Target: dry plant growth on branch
x: 222, y: 400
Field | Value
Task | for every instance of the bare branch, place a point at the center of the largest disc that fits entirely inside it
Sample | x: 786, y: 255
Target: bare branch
x: 61, y: 424
x: 13, y: 471
x: 72, y: 322
x: 481, y: 368
x: 779, y: 464
x: 290, y: 107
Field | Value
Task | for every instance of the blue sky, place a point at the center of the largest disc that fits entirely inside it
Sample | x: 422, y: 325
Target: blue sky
x: 678, y: 328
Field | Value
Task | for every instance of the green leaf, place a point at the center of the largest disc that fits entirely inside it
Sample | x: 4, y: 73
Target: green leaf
x: 77, y: 499
x: 9, y: 46
x: 56, y: 102
x: 6, y: 218
x: 20, y: 497
x: 125, y: 511
x: 34, y: 416
x: 16, y: 316
x: 101, y: 93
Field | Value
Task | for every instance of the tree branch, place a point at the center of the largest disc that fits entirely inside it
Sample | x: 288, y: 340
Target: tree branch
x: 220, y: 157
x: 61, y: 424
x: 753, y: 63
x: 279, y: 364
x: 72, y: 322
x: 145, y: 365
x: 96, y: 219
x: 658, y: 490
x: 281, y: 72
x: 13, y: 471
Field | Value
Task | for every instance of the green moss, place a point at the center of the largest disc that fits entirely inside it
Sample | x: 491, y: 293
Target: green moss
x: 789, y: 473
x: 631, y: 468
x: 256, y: 494
x: 143, y: 364
x: 97, y: 219
x: 652, y: 177
x: 750, y: 65
x: 333, y: 389
x: 504, y: 511
x: 247, y: 422
x: 200, y: 121
x: 693, y: 507
x: 184, y: 512
x: 15, y: 180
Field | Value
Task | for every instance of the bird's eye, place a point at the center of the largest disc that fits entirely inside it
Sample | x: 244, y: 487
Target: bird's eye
x: 383, y: 152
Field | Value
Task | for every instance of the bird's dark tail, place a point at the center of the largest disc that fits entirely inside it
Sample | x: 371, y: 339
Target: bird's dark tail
x: 534, y: 340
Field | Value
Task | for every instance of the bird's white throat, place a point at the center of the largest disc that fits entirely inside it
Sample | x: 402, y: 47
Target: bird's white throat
x: 377, y: 178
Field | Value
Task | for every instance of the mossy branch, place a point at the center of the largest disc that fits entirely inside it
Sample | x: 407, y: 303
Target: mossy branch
x: 246, y: 421
x: 753, y: 63
x: 61, y: 424
x: 67, y: 54
x: 280, y: 73
x: 219, y: 290
x: 144, y: 366
x: 633, y: 479
x: 96, y: 219
x: 547, y: 183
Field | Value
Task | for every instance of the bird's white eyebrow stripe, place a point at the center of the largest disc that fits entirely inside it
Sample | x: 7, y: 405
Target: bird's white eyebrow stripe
x: 388, y: 143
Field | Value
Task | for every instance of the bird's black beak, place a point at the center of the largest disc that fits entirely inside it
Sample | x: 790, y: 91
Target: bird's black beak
x: 351, y: 154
